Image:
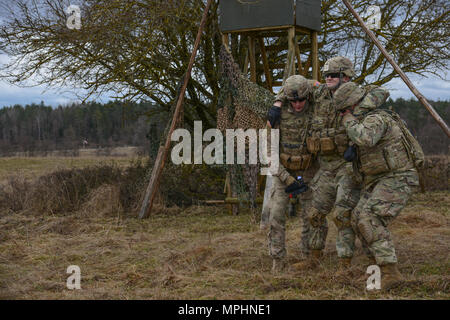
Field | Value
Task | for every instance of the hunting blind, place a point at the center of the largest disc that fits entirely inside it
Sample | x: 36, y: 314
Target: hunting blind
x: 259, y: 19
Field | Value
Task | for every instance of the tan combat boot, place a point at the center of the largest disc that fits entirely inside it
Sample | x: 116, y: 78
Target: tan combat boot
x: 390, y: 276
x: 310, y: 263
x: 264, y: 226
x: 278, y: 265
x: 372, y: 261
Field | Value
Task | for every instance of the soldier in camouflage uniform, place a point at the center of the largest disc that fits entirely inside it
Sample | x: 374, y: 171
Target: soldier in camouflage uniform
x: 293, y: 111
x: 387, y: 157
x: 336, y: 188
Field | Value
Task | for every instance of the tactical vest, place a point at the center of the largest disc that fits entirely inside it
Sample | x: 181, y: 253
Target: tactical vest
x: 294, y: 129
x: 390, y: 153
x: 329, y: 136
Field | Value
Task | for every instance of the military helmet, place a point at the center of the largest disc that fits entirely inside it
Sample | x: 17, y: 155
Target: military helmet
x: 297, y: 87
x: 347, y: 95
x: 338, y: 65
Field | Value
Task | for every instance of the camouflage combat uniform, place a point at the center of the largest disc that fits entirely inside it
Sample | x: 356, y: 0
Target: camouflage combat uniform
x: 335, y: 188
x: 386, y: 157
x: 389, y: 180
x: 294, y: 161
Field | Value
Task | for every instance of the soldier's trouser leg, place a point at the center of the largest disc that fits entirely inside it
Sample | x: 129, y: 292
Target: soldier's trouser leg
x: 303, y: 207
x: 265, y: 212
x: 377, y: 207
x: 277, y: 232
x: 347, y: 196
x: 324, y: 195
x: 345, y: 241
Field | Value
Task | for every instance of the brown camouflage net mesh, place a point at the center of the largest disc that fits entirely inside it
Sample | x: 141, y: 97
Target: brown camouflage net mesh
x: 242, y: 104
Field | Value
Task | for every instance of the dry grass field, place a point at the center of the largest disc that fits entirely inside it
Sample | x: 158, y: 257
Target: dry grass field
x: 30, y: 167
x: 200, y: 252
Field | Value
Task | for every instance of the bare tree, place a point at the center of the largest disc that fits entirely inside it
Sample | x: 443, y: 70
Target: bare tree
x: 139, y: 49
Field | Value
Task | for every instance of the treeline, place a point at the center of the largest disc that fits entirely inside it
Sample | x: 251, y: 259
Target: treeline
x: 422, y: 125
x: 41, y: 128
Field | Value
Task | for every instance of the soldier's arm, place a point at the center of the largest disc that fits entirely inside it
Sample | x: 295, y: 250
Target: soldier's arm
x: 366, y: 133
x: 284, y: 175
x: 374, y: 98
x: 278, y: 103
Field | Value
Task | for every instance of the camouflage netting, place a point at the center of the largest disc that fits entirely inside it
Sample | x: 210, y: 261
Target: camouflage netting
x: 242, y: 104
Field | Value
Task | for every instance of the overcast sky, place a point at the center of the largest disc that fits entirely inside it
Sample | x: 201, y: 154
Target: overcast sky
x: 432, y: 87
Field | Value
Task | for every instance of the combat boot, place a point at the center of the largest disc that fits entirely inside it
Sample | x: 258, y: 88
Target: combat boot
x: 278, y: 266
x: 390, y: 276
x: 263, y: 226
x: 310, y: 263
x: 372, y: 262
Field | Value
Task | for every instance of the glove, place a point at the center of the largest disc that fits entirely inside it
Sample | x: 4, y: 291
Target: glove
x: 292, y: 187
x: 296, y: 187
x: 350, y: 154
x: 274, y: 116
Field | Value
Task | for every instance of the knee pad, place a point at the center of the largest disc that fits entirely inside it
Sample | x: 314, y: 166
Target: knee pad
x: 341, y: 218
x: 366, y: 230
x: 316, y: 219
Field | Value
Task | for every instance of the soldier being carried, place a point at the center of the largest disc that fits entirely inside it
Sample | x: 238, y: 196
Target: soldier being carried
x: 387, y: 156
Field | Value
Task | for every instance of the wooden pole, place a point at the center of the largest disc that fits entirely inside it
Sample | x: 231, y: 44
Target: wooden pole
x: 299, y: 60
x: 226, y: 41
x: 315, y: 56
x: 163, y: 150
x: 405, y: 78
x: 289, y: 69
x: 252, y: 55
x: 267, y: 71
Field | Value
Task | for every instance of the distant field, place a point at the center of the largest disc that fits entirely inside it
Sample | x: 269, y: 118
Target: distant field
x: 30, y: 167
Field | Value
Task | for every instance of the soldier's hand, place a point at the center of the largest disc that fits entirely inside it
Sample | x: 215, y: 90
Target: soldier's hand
x: 274, y: 116
x: 296, y: 188
x: 292, y: 187
x: 350, y: 154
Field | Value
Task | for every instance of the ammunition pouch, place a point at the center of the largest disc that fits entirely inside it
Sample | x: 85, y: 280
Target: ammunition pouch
x: 341, y: 141
x: 295, y: 163
x: 327, y: 146
x: 383, y: 159
x: 313, y: 144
